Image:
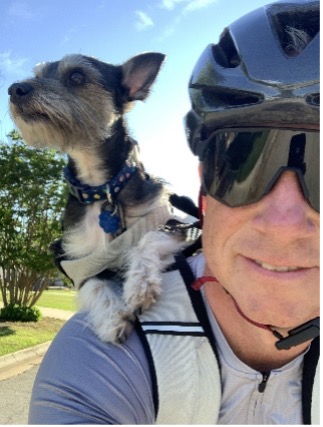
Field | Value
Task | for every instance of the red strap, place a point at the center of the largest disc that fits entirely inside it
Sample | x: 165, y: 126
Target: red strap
x: 198, y: 283
x: 259, y: 325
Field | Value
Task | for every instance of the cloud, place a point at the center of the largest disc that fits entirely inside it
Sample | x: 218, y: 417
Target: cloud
x: 13, y: 66
x: 193, y: 5
x: 20, y: 9
x: 186, y: 6
x: 143, y: 20
x: 189, y: 5
x: 167, y: 33
x: 70, y: 33
x: 171, y: 4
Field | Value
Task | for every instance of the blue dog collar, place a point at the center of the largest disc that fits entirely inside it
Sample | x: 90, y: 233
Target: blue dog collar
x: 87, y: 195
x: 111, y: 218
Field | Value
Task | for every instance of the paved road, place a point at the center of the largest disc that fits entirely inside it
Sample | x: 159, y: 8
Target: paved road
x: 15, y: 394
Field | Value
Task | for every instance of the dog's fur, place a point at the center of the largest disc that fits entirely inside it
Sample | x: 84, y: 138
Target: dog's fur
x: 77, y: 106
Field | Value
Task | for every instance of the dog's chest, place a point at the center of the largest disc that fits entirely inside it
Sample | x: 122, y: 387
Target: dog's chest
x: 86, y: 236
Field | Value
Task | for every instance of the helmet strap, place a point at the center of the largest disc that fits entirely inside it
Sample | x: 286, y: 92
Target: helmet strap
x: 305, y: 332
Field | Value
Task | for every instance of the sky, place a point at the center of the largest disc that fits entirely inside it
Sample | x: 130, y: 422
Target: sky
x: 33, y: 31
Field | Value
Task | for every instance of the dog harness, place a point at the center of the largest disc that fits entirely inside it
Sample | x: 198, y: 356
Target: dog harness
x: 184, y: 360
x: 110, y: 259
x: 78, y: 270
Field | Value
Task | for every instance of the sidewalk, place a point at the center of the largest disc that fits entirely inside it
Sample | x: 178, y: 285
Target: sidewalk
x: 56, y: 313
x: 24, y: 356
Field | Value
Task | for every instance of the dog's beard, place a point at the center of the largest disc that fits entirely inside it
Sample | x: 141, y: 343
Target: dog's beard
x: 38, y: 133
x: 50, y: 123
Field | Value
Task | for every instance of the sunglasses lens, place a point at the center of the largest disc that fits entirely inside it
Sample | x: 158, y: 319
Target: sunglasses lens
x: 241, y: 166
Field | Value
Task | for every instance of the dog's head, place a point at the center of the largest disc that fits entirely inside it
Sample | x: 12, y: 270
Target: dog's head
x: 74, y: 103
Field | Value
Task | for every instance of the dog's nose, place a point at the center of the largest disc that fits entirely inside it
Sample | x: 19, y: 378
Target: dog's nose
x: 19, y: 91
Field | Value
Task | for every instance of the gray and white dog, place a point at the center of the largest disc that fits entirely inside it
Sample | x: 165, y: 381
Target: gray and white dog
x: 77, y: 105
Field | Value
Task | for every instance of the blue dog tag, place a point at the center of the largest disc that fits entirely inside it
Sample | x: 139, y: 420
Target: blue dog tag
x: 108, y: 218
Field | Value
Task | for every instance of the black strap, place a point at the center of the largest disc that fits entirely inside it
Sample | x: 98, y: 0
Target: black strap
x: 311, y: 359
x: 150, y: 360
x: 59, y: 256
x: 184, y: 204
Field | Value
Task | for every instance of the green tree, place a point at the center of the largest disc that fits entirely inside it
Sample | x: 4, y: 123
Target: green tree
x: 32, y: 199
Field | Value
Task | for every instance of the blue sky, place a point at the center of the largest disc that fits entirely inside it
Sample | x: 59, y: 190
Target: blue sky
x: 34, y: 31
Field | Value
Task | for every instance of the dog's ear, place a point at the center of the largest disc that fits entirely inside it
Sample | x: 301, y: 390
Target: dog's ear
x: 139, y: 73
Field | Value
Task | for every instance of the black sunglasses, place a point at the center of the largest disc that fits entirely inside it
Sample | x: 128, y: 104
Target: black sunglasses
x: 241, y: 165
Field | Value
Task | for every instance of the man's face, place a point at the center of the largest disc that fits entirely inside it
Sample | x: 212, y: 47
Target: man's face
x: 266, y: 254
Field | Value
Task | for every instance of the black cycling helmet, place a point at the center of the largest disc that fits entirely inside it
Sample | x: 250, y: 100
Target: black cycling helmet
x: 263, y: 72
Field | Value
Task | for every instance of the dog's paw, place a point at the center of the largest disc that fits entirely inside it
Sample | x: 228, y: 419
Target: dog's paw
x: 146, y: 263
x: 141, y: 292
x: 118, y: 329
x: 110, y: 320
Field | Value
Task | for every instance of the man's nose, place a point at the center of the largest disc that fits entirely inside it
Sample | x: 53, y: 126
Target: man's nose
x: 284, y: 212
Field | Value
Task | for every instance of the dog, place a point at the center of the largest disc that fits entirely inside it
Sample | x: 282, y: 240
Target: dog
x: 114, y: 245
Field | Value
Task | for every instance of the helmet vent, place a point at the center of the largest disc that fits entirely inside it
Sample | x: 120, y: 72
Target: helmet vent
x: 313, y: 99
x: 225, y: 52
x: 295, y: 26
x: 230, y: 99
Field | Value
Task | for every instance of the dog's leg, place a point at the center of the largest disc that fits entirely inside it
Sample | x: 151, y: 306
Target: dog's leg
x: 106, y: 311
x: 146, y: 262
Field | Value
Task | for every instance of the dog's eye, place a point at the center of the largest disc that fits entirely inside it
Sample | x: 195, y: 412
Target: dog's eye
x: 77, y: 78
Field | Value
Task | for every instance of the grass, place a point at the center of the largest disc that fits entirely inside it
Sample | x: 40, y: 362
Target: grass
x: 16, y: 336
x: 62, y: 299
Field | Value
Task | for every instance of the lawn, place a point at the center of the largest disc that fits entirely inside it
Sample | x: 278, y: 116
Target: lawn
x: 63, y: 299
x: 16, y: 336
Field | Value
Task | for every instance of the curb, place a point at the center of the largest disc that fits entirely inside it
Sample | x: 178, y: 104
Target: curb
x: 20, y: 356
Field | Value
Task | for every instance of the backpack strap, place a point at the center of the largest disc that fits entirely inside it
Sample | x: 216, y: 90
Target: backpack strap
x: 311, y: 384
x: 316, y: 404
x: 181, y: 350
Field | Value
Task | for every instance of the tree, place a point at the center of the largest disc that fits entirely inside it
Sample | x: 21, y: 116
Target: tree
x: 32, y: 199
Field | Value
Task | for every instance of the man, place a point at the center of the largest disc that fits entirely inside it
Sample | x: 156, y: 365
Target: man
x: 254, y: 125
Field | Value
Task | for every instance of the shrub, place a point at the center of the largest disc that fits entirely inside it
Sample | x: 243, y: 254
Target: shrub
x: 17, y: 313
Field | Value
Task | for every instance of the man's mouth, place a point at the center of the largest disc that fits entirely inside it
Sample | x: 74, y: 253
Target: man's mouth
x: 279, y: 268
